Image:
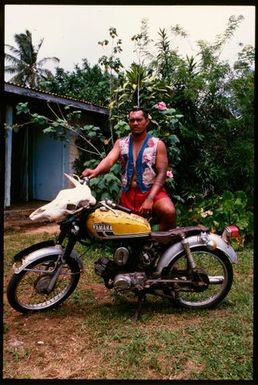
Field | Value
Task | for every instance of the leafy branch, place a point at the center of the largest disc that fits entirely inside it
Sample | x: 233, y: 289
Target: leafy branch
x: 58, y: 126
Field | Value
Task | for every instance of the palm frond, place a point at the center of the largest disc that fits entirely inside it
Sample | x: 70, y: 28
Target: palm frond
x: 13, y: 50
x: 39, y: 45
x: 47, y: 59
x: 24, y: 61
x: 10, y: 69
x: 12, y: 59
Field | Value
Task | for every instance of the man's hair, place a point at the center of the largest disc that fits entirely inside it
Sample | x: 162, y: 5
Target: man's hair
x: 144, y: 111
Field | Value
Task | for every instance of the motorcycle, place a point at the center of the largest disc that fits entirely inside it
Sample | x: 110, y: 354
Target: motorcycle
x: 190, y: 266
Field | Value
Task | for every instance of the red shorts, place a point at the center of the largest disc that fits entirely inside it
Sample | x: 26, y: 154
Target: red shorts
x: 134, y: 198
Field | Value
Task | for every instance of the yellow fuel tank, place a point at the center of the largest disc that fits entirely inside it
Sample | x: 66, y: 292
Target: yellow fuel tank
x: 116, y: 224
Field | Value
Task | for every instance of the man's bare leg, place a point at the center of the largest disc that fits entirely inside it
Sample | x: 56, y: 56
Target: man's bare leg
x: 166, y: 212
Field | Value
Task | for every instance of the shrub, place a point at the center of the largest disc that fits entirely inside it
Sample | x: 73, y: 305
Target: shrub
x: 219, y: 211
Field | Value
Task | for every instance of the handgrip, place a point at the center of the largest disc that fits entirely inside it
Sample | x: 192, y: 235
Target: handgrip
x: 109, y: 202
x: 85, y: 180
x: 122, y: 208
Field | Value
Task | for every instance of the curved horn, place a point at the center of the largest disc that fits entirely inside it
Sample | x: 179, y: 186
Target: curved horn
x: 74, y: 181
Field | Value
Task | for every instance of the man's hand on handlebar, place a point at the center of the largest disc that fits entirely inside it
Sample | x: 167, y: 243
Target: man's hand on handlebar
x: 88, y: 172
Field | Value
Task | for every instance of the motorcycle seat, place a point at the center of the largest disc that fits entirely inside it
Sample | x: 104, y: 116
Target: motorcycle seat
x: 177, y: 233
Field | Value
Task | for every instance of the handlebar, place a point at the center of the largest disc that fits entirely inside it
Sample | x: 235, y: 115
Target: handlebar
x: 122, y: 208
x: 86, y: 180
x: 114, y: 205
x: 83, y: 179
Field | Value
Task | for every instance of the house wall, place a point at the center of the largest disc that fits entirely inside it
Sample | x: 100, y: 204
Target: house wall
x: 35, y: 163
x: 73, y: 154
x: 49, y: 161
x: 20, y: 172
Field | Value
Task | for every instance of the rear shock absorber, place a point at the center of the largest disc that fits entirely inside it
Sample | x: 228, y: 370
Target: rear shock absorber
x: 189, y: 256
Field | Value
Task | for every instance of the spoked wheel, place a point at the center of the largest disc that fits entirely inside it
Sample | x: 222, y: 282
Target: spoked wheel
x: 31, y: 290
x: 211, y: 280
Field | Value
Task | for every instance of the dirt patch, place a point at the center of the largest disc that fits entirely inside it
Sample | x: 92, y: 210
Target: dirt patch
x: 40, y: 345
x: 190, y: 368
x: 50, y: 229
x: 16, y: 218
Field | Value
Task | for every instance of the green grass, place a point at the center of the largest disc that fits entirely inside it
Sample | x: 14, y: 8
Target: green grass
x: 167, y: 343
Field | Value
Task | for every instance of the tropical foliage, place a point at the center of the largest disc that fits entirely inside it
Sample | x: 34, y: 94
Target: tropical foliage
x: 218, y: 211
x: 201, y: 107
x: 24, y: 61
x: 84, y: 82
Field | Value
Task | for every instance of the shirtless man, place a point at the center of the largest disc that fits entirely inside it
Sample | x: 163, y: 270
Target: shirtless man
x: 143, y: 166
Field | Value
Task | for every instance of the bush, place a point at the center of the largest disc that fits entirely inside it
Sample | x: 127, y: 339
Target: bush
x: 219, y: 211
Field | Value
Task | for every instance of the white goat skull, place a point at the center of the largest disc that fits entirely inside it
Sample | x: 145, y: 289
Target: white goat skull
x: 58, y: 209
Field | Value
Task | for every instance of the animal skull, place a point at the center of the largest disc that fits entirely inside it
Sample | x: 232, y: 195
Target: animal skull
x: 58, y: 209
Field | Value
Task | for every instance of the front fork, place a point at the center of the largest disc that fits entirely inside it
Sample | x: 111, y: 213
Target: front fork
x: 68, y: 250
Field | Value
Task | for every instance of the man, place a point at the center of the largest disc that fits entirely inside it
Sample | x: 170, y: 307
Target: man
x: 143, y: 165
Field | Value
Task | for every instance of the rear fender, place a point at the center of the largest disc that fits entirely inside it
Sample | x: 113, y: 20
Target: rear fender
x: 43, y: 252
x: 196, y: 241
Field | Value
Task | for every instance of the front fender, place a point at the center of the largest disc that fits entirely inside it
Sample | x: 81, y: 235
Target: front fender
x: 43, y: 252
x: 196, y: 241
x: 34, y: 247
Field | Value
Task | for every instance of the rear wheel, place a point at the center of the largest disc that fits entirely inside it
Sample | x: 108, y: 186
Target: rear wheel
x: 29, y: 290
x: 211, y: 280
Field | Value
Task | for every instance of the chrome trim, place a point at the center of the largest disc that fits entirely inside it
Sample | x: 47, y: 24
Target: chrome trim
x: 133, y: 235
x: 216, y: 279
x: 194, y: 241
x: 35, y: 255
x: 224, y: 247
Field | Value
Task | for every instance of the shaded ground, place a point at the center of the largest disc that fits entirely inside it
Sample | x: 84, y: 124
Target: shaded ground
x: 16, y: 218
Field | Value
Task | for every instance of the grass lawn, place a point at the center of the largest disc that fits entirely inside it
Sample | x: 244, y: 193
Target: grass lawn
x: 92, y: 335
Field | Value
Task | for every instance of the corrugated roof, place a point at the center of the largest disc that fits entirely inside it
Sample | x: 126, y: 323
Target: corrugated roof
x: 53, y: 97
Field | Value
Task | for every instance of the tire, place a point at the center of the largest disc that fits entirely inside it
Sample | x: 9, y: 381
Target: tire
x: 213, y: 268
x: 25, y: 291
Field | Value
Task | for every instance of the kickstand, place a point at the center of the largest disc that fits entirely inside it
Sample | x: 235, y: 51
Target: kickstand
x: 141, y: 299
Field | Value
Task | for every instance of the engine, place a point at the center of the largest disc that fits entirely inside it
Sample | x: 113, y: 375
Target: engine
x: 106, y: 268
x: 121, y: 256
x: 109, y: 271
x: 129, y: 281
x: 146, y: 255
x: 141, y: 258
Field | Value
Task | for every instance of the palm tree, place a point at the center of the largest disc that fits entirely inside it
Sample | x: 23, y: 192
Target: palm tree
x: 24, y: 61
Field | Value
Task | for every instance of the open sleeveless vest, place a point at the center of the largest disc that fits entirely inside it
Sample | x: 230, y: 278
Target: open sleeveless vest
x: 145, y: 162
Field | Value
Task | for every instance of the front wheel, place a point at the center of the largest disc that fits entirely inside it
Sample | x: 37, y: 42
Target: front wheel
x: 30, y: 290
x: 209, y: 284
